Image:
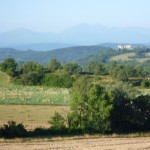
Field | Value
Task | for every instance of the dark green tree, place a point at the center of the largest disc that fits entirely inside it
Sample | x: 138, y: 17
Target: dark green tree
x: 90, y: 107
x: 72, y: 68
x: 96, y: 68
x: 9, y: 66
x: 57, y: 121
x: 79, y: 101
x: 54, y: 65
x: 119, y: 73
x: 31, y: 67
x: 99, y: 108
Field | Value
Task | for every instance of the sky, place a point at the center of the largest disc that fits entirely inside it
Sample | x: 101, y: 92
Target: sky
x: 57, y: 15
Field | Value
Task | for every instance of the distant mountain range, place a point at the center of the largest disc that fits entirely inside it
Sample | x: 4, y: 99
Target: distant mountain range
x: 82, y: 34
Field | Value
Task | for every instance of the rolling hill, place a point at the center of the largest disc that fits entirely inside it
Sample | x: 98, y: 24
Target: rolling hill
x: 71, y: 54
x: 138, y: 55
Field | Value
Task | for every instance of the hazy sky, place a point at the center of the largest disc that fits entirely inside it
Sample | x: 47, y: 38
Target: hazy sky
x: 56, y: 15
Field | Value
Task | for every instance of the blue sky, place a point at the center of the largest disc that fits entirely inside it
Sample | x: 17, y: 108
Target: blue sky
x: 57, y: 15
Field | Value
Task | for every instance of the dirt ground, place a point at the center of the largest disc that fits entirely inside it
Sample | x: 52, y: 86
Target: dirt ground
x: 139, y: 143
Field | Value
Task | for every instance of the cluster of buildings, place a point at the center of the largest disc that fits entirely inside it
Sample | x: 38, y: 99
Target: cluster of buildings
x: 129, y: 47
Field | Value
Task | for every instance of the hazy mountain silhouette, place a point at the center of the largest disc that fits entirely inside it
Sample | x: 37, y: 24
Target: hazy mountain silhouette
x: 82, y: 34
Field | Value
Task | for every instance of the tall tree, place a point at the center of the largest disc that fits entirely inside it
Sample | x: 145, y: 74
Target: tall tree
x: 54, y: 65
x: 99, y: 108
x: 9, y: 66
x: 91, y: 106
x: 72, y: 68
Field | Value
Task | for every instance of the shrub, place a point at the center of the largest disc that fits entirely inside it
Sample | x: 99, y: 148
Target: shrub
x: 12, y: 130
x: 31, y: 78
x: 57, y: 121
x: 145, y: 84
x: 58, y: 81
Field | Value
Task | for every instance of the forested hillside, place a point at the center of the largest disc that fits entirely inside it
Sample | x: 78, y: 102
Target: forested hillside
x: 136, y: 56
x: 70, y: 54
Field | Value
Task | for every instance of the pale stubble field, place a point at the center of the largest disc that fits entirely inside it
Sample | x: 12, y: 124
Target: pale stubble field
x: 137, y: 143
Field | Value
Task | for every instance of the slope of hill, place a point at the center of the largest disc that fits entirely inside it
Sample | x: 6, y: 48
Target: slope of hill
x: 4, y: 79
x: 70, y: 54
x: 135, y: 56
x: 42, y: 46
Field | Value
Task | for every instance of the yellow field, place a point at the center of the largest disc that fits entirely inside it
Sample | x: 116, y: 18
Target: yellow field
x: 138, y: 143
x: 126, y: 57
x: 30, y: 116
x: 122, y: 57
x: 147, y: 54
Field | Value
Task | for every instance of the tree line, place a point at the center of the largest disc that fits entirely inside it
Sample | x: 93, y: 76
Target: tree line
x: 56, y: 74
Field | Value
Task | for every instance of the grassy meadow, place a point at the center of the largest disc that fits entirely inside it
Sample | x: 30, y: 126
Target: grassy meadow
x: 31, y: 95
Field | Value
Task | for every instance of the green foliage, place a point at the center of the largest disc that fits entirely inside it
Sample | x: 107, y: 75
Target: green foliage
x: 53, y: 80
x: 31, y: 67
x: 91, y: 106
x: 12, y: 130
x: 79, y: 100
x: 72, y: 68
x: 119, y: 73
x: 127, y: 109
x: 31, y: 78
x: 57, y: 121
x: 99, y: 108
x: 54, y: 65
x: 145, y: 83
x: 70, y: 54
x: 140, y: 115
x: 131, y: 114
x: 9, y: 66
x: 96, y: 68
x: 125, y: 90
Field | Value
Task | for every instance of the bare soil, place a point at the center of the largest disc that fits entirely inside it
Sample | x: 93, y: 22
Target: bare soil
x: 138, y: 143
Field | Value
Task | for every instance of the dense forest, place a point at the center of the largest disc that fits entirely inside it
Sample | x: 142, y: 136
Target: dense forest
x: 70, y: 54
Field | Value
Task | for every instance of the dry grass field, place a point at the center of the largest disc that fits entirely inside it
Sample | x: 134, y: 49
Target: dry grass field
x: 147, y: 54
x: 30, y: 116
x: 138, y: 143
x: 126, y: 57
x: 122, y: 57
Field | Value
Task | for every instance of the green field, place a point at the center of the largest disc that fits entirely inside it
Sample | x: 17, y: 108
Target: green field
x: 31, y: 95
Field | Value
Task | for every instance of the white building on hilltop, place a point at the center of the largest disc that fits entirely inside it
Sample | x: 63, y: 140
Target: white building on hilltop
x: 125, y: 47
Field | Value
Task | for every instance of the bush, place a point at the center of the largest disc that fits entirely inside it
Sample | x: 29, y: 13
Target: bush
x: 58, y: 81
x: 145, y: 84
x: 13, y: 130
x: 57, y: 122
x: 131, y: 115
x: 31, y: 78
